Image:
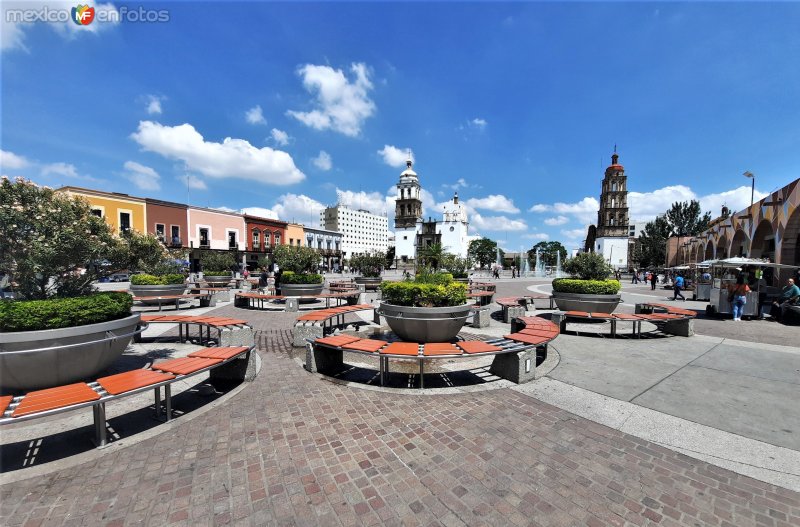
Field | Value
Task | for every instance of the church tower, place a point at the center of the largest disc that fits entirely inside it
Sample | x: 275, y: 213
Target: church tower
x: 408, y: 213
x: 612, y: 218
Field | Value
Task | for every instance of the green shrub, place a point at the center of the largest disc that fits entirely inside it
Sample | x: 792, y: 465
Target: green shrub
x: 298, y: 259
x: 426, y: 277
x: 458, y: 267
x: 35, y: 315
x: 148, y: 279
x: 424, y: 294
x: 289, y: 277
x: 587, y: 287
x: 216, y: 272
x: 217, y: 263
x: 588, y: 266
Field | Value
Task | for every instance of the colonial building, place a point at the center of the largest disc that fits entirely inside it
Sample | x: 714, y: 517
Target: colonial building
x: 167, y: 221
x: 328, y: 244
x: 408, y: 214
x: 362, y: 231
x: 121, y: 211
x: 455, y: 228
x: 610, y: 237
x: 263, y: 234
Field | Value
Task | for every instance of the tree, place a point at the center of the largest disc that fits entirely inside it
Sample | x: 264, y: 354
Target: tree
x: 484, y: 251
x: 548, y: 252
x: 142, y: 252
x: 390, y: 257
x: 652, y: 244
x: 50, y: 243
x: 431, y: 256
x: 588, y: 266
x: 685, y: 219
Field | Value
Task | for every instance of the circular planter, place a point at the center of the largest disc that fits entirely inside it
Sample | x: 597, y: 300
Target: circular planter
x: 217, y: 280
x: 144, y: 291
x: 584, y: 302
x: 369, y: 283
x: 301, y: 290
x: 31, y: 360
x: 425, y: 324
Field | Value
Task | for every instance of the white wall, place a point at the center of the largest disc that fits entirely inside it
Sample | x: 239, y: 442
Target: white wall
x: 405, y: 243
x: 614, y: 250
x: 454, y: 241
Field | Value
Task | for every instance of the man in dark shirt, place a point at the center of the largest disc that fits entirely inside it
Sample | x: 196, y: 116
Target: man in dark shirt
x: 789, y: 296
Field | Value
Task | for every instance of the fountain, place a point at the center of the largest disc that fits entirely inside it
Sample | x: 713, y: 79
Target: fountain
x: 539, y: 269
x: 558, y: 264
x: 525, y: 268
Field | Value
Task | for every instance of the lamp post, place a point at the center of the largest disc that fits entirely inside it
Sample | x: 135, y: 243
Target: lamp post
x: 750, y: 175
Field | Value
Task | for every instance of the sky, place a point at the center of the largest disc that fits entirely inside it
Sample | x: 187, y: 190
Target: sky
x: 280, y: 109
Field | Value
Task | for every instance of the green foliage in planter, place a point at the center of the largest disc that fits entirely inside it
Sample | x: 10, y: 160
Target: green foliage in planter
x: 298, y: 259
x: 55, y: 313
x: 424, y: 294
x: 425, y: 276
x: 149, y: 279
x: 369, y: 265
x: 586, y: 287
x: 289, y: 277
x: 588, y: 266
x: 458, y: 267
x: 217, y: 263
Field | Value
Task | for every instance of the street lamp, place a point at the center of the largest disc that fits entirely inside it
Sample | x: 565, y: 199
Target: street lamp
x: 750, y: 175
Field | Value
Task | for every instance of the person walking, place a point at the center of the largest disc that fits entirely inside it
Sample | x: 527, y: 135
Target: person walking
x: 677, y: 285
x: 653, y: 280
x: 738, y: 297
x: 634, y: 276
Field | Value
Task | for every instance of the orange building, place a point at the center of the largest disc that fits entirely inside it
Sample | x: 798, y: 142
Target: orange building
x: 121, y: 211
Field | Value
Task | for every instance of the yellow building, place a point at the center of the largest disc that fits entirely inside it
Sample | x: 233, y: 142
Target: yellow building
x: 294, y: 234
x: 121, y: 212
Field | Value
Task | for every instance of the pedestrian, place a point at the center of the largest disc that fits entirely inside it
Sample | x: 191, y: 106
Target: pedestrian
x: 653, y: 280
x: 513, y: 271
x: 789, y: 296
x: 270, y: 283
x: 677, y: 285
x: 738, y: 297
x: 262, y: 280
x: 633, y: 277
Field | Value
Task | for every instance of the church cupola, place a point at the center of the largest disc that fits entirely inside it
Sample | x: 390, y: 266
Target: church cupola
x: 612, y: 218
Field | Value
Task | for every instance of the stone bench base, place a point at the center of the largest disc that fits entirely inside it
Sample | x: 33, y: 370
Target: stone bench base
x: 511, y: 312
x: 305, y: 330
x: 238, y: 370
x: 517, y: 367
x: 681, y: 328
x: 481, y: 318
x: 321, y: 360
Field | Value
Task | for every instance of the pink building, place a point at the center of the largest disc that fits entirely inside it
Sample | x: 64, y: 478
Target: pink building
x: 216, y: 229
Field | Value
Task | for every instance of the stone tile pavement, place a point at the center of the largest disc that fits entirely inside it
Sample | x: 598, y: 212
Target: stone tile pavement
x: 295, y: 449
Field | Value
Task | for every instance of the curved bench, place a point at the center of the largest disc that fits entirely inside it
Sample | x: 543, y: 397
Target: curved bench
x: 205, y: 299
x: 50, y: 401
x: 514, y: 354
x: 251, y: 300
x: 314, y: 324
x: 515, y: 306
x: 230, y: 331
x: 672, y: 320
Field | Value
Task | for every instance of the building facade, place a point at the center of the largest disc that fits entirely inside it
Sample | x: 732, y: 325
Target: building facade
x: 167, y: 221
x: 328, y: 244
x: 216, y: 229
x: 611, y: 236
x: 294, y: 234
x: 121, y: 211
x: 408, y: 214
x: 454, y: 228
x: 362, y: 231
x: 263, y: 234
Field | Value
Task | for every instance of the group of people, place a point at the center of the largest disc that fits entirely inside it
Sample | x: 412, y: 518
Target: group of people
x: 649, y: 277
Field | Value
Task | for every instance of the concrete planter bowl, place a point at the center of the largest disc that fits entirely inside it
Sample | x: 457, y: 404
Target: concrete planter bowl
x: 144, y: 291
x: 217, y: 280
x: 584, y: 302
x: 301, y: 290
x: 369, y: 283
x: 425, y: 324
x: 30, y: 360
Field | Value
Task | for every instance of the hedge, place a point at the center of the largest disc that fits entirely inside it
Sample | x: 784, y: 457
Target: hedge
x: 587, y: 287
x: 148, y: 279
x: 55, y: 313
x: 289, y: 277
x: 424, y: 295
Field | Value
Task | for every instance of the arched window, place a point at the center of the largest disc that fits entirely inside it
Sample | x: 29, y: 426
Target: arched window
x: 267, y: 239
x: 613, y: 187
x: 277, y: 238
x: 256, y: 239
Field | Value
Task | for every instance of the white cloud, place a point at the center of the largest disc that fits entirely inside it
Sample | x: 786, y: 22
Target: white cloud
x: 60, y: 169
x: 224, y: 209
x: 341, y: 105
x: 478, y: 123
x: 142, y: 176
x: 193, y: 182
x: 536, y: 236
x: 375, y: 202
x: 255, y: 115
x: 323, y: 161
x: 11, y: 161
x: 493, y: 202
x: 233, y: 158
x: 644, y: 206
x: 280, y: 137
x: 736, y: 199
x: 584, y: 210
x: 153, y: 104
x: 298, y: 208
x: 558, y: 220
x: 393, y: 156
x: 260, y: 212
x: 575, y: 234
x: 460, y: 183
x: 12, y: 34
x: 497, y: 223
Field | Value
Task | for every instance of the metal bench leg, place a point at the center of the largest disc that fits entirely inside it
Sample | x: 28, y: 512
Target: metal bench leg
x: 99, y: 412
x: 180, y: 332
x: 168, y: 400
x: 613, y: 328
x: 157, y: 393
x: 421, y: 373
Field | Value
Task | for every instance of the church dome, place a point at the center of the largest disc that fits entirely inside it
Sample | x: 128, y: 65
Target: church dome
x: 408, y: 172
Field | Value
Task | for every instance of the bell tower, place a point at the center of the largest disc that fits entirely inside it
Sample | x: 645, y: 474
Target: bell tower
x: 612, y: 218
x: 407, y: 213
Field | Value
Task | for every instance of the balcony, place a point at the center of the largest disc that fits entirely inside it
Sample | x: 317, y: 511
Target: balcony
x: 176, y: 242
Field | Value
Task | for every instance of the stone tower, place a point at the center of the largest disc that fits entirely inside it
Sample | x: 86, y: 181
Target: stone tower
x: 408, y: 213
x: 612, y: 218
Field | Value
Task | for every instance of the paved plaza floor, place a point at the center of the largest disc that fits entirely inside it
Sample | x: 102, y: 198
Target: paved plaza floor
x: 583, y: 445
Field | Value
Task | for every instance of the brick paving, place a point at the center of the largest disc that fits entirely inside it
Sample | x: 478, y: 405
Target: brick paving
x: 294, y: 449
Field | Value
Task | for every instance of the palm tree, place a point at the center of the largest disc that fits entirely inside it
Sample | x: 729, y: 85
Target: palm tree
x: 431, y: 256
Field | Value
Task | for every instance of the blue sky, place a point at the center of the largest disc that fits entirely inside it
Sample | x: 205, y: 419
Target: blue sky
x: 282, y: 108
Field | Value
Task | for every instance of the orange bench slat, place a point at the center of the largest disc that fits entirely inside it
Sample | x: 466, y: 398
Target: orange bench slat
x: 581, y: 314
x: 440, y: 348
x: 219, y: 353
x: 337, y: 340
x: 627, y: 316
x: 53, y: 398
x: 185, y: 365
x: 604, y: 316
x: 477, y: 346
x: 527, y: 339
x: 131, y: 380
x: 5, y: 400
x: 370, y: 345
x: 401, y: 348
x: 536, y: 332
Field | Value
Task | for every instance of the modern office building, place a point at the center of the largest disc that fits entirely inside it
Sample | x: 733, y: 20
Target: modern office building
x: 362, y: 231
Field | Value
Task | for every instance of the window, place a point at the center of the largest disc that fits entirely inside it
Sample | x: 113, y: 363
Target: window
x: 256, y: 239
x: 175, y: 235
x: 124, y: 221
x: 98, y: 212
x: 277, y: 238
x: 160, y: 231
x: 232, y: 240
x: 204, y: 237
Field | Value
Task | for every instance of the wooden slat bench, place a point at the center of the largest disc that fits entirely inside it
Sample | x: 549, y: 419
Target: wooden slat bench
x: 515, y: 306
x: 258, y: 300
x: 230, y: 331
x: 205, y: 299
x: 514, y: 354
x: 50, y: 401
x: 670, y: 314
x: 314, y: 324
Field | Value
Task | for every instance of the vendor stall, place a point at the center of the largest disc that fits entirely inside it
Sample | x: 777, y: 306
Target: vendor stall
x: 724, y: 274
